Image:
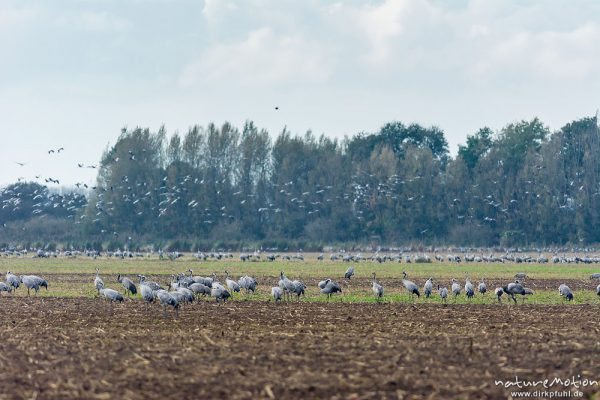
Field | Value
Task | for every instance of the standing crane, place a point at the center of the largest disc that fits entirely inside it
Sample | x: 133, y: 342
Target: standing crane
x: 98, y: 282
x: 276, y: 292
x: 349, y: 273
x: 377, y: 288
x: 482, y: 287
x: 331, y: 288
x: 33, y: 282
x: 166, y: 299
x: 469, y: 289
x: 427, y: 289
x: 410, y: 286
x: 12, y: 280
x: 443, y: 294
x: 128, y: 284
x: 455, y: 288
x: 231, y: 284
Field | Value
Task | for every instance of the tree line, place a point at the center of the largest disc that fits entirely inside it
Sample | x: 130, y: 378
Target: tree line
x: 222, y: 185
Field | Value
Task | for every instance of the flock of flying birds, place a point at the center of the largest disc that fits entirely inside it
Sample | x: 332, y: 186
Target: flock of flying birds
x: 363, y: 189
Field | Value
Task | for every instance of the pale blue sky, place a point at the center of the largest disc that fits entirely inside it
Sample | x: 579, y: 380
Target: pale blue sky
x: 72, y: 73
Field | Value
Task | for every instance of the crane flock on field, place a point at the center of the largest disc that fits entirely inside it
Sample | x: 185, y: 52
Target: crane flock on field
x: 185, y: 288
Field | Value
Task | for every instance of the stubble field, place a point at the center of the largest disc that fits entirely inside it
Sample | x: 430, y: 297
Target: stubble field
x: 67, y: 343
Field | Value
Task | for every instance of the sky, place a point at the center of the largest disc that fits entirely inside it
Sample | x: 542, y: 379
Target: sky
x: 73, y: 73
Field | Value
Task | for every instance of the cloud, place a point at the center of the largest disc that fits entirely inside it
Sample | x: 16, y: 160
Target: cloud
x: 382, y: 24
x: 93, y: 22
x: 261, y: 58
x: 570, y: 54
x: 12, y: 18
x: 214, y: 8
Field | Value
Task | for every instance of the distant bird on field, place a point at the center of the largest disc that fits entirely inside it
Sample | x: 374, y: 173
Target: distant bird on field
x: 277, y: 293
x: 111, y: 295
x: 231, y: 284
x: 427, y: 289
x: 349, y: 273
x: 5, y: 288
x: 469, y: 289
x: 331, y: 288
x: 565, y: 292
x: 595, y: 275
x: 128, y: 284
x: 98, y: 282
x: 323, y: 283
x: 146, y: 292
x: 410, y: 286
x: 33, y: 282
x: 377, y: 288
x: 482, y: 287
x: 455, y: 288
x: 299, y: 287
x: 443, y: 294
x: 499, y: 292
x: 12, y: 280
x: 199, y: 289
x: 166, y: 299
x: 219, y: 292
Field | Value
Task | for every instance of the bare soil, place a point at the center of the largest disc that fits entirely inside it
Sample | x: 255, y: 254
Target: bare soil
x: 74, y: 348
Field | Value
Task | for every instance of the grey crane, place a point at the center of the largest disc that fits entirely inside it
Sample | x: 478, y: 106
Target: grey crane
x: 166, y: 299
x: 231, y: 284
x: 12, y: 280
x: 5, y: 288
x: 285, y: 284
x: 455, y: 288
x: 153, y: 285
x: 514, y: 288
x: 595, y: 275
x: 323, y: 283
x: 277, y: 293
x: 499, y: 292
x: 183, y: 295
x: 349, y: 273
x: 565, y: 292
x: 331, y: 288
x: 410, y: 286
x: 98, y: 282
x: 182, y: 281
x: 443, y: 291
x: 298, y: 290
x: 469, y: 289
x: 248, y: 283
x: 219, y: 292
x: 111, y: 295
x: 128, y: 284
x: 598, y: 290
x: 199, y: 289
x: 520, y: 275
x: 146, y: 292
x: 427, y: 289
x: 482, y: 287
x: 33, y: 282
x: 377, y: 288
x: 206, y: 281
